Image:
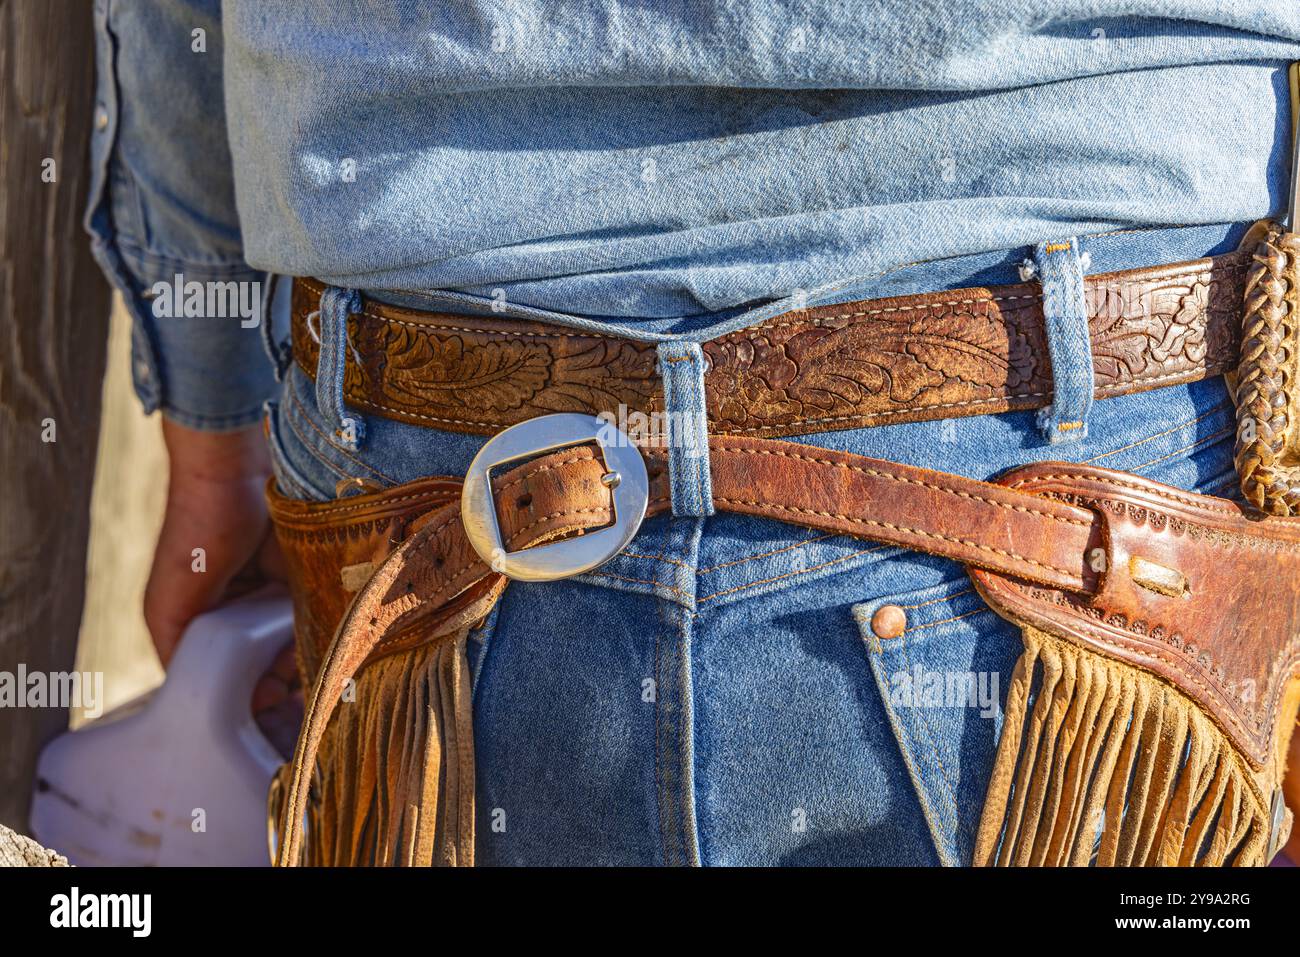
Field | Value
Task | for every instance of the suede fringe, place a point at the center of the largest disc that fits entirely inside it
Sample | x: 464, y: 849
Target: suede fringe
x: 394, y: 784
x: 1100, y: 763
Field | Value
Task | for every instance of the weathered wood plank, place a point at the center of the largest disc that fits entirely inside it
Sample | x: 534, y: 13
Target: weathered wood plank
x: 54, y: 307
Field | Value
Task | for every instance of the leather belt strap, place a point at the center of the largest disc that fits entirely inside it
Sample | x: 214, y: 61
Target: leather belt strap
x: 435, y: 584
x: 1170, y: 560
x: 904, y: 359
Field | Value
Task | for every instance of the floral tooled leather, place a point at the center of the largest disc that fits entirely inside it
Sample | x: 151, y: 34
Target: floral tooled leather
x: 904, y: 359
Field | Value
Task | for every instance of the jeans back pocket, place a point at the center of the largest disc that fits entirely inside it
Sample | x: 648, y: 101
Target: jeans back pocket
x: 289, y: 480
x: 942, y: 660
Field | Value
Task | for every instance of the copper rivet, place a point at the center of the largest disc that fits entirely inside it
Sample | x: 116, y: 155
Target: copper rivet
x: 889, y: 621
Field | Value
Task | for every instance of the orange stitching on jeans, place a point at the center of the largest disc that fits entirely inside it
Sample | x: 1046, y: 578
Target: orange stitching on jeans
x: 1206, y: 441
x: 944, y: 621
x: 642, y: 581
x: 1158, y: 435
x: 935, y: 601
x: 656, y: 558
x: 302, y: 440
x: 307, y: 418
x: 802, y: 571
x: 774, y: 551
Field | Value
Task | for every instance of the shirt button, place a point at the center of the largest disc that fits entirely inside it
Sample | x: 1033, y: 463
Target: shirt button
x: 889, y: 621
x: 101, y: 118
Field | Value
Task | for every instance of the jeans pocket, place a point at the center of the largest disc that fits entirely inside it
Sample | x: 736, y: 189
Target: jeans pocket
x: 942, y: 660
x: 290, y: 481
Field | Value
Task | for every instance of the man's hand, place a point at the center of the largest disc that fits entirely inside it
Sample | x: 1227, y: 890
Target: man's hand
x: 215, y: 535
x: 216, y: 502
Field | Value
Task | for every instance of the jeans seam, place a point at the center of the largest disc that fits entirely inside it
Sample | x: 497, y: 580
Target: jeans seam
x: 769, y: 552
x: 1158, y: 435
x: 685, y: 741
x: 488, y: 632
x: 792, y: 574
x: 658, y: 717
x: 655, y: 558
x: 302, y: 439
x: 919, y: 792
x: 944, y: 621
x: 286, y: 473
x: 1233, y: 481
x: 342, y: 451
x: 947, y: 596
x: 1203, y: 442
x: 642, y: 581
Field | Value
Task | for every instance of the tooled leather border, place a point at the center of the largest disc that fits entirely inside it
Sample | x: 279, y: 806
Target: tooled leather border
x: 1165, y: 647
x: 903, y: 359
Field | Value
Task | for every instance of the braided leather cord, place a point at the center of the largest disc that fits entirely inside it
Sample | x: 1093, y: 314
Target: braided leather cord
x: 1268, y: 399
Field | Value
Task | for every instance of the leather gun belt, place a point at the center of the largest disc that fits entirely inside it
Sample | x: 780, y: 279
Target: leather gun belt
x: 905, y: 359
x: 1171, y: 582
x: 1156, y: 695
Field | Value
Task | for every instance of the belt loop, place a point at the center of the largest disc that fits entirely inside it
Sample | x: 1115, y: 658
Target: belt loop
x: 335, y: 306
x: 681, y: 365
x: 1060, y: 269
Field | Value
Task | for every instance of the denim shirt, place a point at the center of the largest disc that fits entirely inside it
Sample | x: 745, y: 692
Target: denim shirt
x: 662, y: 168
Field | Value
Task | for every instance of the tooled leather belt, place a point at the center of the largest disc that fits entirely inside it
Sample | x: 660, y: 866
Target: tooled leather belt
x: 1167, y: 580
x: 906, y: 359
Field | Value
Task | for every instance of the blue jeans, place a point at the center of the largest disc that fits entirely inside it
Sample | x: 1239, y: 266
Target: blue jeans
x: 714, y: 694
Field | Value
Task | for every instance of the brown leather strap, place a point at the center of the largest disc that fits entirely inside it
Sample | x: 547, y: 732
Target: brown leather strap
x: 976, y: 523
x: 1128, y: 565
x: 1195, y: 590
x: 903, y: 359
x: 434, y: 584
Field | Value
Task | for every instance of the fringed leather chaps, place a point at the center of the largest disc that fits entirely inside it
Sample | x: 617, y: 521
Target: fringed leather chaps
x: 1147, y: 720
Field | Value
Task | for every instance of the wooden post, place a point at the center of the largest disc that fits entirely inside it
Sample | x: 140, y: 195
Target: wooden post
x: 19, y: 851
x: 54, y: 306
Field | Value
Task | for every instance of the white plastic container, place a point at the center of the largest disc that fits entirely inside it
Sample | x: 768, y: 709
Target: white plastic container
x: 180, y: 776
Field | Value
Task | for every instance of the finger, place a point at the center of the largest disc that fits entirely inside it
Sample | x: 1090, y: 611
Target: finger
x: 270, y: 560
x: 285, y: 666
x: 269, y: 692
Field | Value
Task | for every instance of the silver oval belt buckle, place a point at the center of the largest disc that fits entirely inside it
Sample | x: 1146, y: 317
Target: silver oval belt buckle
x: 625, y: 476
